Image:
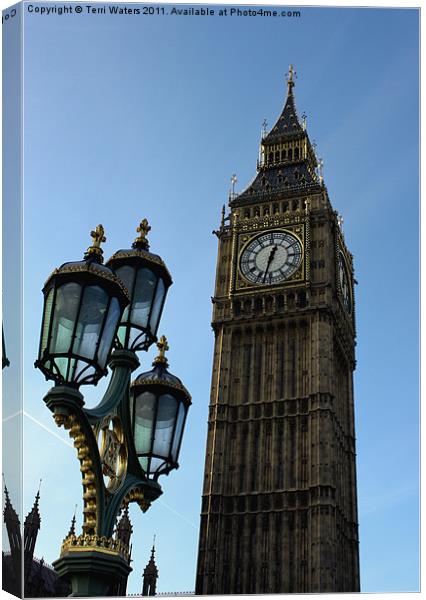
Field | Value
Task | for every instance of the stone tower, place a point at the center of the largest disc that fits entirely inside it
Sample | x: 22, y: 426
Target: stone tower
x: 150, y: 575
x: 279, y: 505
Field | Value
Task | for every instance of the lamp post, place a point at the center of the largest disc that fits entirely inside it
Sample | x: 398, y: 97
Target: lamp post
x: 97, y: 315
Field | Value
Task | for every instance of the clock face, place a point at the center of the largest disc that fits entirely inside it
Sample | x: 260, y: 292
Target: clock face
x: 271, y: 258
x: 344, y: 284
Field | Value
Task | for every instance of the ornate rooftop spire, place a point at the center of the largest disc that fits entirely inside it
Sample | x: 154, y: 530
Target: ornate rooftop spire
x: 124, y: 528
x: 72, y: 527
x: 33, y: 518
x: 287, y: 162
x: 150, y: 575
x: 288, y: 122
x: 151, y: 567
x: 10, y: 515
x: 291, y: 76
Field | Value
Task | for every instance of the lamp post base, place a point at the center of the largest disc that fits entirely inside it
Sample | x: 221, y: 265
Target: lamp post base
x: 94, y: 572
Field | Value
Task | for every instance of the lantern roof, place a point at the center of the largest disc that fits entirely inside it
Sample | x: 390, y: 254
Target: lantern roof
x: 91, y: 266
x: 140, y: 251
x: 159, y: 375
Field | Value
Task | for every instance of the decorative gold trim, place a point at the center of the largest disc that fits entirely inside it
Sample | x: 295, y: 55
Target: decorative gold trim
x: 71, y: 423
x: 298, y: 230
x: 272, y: 221
x: 112, y: 446
x: 136, y: 495
x: 136, y: 252
x: 163, y: 382
x: 143, y: 230
x: 162, y: 346
x: 98, y: 237
x: 92, y: 542
x: 347, y: 259
x: 85, y: 268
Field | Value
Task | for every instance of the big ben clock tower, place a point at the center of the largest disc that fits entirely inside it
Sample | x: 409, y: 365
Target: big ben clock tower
x: 279, y: 505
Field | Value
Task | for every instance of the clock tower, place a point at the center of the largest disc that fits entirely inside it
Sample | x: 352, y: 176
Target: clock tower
x: 279, y: 504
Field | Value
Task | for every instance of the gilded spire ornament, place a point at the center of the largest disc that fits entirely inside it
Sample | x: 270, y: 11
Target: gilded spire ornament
x: 162, y: 346
x: 291, y: 76
x: 233, y: 182
x: 95, y: 251
x: 141, y: 242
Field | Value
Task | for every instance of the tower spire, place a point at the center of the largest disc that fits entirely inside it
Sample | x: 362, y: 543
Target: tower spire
x: 291, y: 76
x: 150, y: 575
x: 31, y: 529
x: 287, y: 162
x: 124, y: 527
x: 72, y: 527
x: 11, y: 520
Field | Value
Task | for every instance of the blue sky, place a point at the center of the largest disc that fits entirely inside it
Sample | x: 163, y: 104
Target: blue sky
x: 129, y: 117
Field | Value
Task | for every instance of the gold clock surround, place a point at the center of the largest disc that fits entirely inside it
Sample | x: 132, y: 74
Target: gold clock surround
x: 244, y: 232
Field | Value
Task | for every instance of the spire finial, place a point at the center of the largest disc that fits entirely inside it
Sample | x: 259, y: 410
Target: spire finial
x: 232, y: 190
x: 340, y: 222
x: 72, y: 527
x: 304, y: 121
x: 291, y: 76
x: 153, y: 547
x: 6, y: 491
x: 143, y: 230
x: 95, y: 251
x: 264, y: 128
x: 222, y: 220
x: 162, y: 346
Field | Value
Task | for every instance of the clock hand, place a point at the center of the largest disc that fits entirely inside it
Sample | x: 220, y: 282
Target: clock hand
x: 270, y: 259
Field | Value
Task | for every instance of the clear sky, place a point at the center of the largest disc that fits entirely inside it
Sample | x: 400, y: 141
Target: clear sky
x: 149, y: 116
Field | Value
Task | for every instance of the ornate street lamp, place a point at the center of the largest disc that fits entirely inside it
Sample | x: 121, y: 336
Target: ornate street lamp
x: 86, y: 314
x: 146, y: 277
x: 83, y: 302
x: 159, y: 403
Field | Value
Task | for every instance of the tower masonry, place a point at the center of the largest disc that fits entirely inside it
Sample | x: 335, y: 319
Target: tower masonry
x: 279, y: 503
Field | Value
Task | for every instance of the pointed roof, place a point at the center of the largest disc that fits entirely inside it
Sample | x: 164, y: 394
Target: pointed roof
x: 33, y: 518
x: 72, y: 527
x: 287, y: 123
x: 151, y: 567
x: 124, y: 527
x: 288, y: 162
x: 10, y: 515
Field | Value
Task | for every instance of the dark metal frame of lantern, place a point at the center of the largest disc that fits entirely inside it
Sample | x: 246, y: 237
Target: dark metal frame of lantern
x: 164, y: 401
x: 72, y: 320
x: 140, y: 270
x: 96, y: 562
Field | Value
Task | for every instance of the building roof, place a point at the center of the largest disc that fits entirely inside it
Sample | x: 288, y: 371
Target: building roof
x: 288, y: 164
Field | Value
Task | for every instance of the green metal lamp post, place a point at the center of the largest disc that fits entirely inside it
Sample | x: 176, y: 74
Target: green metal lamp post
x: 96, y: 316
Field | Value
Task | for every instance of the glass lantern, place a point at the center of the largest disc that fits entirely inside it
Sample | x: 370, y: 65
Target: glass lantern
x: 146, y: 277
x: 159, y: 403
x: 83, y: 304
